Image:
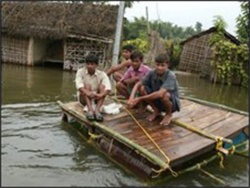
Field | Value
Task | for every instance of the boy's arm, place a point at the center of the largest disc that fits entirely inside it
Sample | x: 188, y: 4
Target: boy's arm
x: 168, y: 85
x: 154, y: 95
x: 118, y: 67
x: 133, y: 92
x: 132, y: 80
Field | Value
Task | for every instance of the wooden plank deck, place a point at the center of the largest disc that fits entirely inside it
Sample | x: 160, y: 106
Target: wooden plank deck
x: 178, y: 143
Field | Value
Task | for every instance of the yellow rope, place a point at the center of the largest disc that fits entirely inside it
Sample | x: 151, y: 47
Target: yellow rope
x: 209, y: 174
x: 175, y: 174
x: 232, y: 150
x: 218, y: 147
x: 212, y: 176
x: 94, y: 136
x: 219, y: 143
x: 221, y: 159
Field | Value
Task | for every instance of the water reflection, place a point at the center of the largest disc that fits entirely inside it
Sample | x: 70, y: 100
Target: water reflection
x: 47, y: 84
x: 233, y: 96
x: 36, y: 84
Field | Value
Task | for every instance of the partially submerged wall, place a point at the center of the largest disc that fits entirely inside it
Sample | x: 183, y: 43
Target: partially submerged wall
x: 15, y: 49
x: 196, y: 56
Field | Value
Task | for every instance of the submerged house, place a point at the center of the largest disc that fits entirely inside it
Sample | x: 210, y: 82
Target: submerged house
x: 36, y: 32
x: 197, y: 54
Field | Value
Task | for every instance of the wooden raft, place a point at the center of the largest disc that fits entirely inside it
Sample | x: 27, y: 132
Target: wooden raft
x: 178, y: 143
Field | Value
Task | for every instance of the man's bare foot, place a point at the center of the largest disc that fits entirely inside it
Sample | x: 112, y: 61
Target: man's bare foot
x: 153, y: 116
x: 166, y: 120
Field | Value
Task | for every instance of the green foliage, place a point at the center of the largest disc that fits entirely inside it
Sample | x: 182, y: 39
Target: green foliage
x: 230, y: 61
x: 135, y: 32
x: 128, y: 4
x: 174, y: 51
x: 138, y: 28
x: 219, y: 23
x: 140, y: 44
x: 242, y: 23
x: 198, y: 27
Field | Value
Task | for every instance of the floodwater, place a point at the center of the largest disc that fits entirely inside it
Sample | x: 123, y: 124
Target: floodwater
x: 38, y: 149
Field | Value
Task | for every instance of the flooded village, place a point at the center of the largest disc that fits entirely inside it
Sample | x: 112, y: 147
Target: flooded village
x: 47, y: 136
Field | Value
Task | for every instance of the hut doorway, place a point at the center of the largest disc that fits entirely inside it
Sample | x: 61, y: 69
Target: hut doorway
x: 54, y: 54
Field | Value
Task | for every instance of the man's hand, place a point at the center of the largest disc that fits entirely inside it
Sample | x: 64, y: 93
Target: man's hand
x: 90, y: 94
x: 98, y: 96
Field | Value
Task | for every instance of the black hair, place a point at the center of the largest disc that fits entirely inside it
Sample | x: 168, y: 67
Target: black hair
x: 162, y: 58
x: 136, y: 54
x: 91, y: 59
x: 128, y: 47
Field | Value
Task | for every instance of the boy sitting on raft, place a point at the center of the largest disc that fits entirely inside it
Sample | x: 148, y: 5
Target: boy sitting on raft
x: 120, y: 69
x: 92, y: 85
x: 159, y: 89
x: 134, y: 74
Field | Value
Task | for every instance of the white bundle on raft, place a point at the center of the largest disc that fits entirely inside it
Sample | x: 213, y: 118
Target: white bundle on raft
x: 112, y: 108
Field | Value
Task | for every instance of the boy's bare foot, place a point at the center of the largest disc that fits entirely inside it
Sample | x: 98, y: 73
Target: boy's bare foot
x: 141, y: 109
x: 166, y: 120
x: 153, y: 116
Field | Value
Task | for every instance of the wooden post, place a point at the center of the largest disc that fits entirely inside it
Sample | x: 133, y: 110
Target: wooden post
x: 30, y: 59
x: 147, y: 20
x: 118, y: 33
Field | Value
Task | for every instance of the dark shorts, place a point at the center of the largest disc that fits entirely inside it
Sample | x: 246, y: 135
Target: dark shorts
x: 158, y: 103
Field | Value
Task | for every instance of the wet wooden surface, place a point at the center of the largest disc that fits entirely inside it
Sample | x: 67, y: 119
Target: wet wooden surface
x: 175, y: 141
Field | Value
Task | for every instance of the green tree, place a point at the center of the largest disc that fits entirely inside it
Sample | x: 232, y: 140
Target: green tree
x: 230, y: 61
x: 135, y: 29
x: 219, y: 23
x: 128, y: 4
x: 242, y: 22
x: 189, y: 31
x: 198, y: 27
x: 138, y: 28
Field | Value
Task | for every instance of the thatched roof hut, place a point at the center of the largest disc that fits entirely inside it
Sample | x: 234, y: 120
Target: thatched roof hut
x: 197, y: 54
x: 57, y: 21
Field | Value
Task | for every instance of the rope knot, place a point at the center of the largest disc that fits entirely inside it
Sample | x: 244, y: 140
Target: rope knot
x: 219, y: 142
x: 94, y: 136
x: 232, y: 150
x: 198, y: 166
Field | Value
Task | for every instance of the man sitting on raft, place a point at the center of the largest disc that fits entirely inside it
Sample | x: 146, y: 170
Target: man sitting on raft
x: 159, y: 89
x: 92, y: 85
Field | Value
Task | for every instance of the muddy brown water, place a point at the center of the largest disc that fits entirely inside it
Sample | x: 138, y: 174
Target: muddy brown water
x: 38, y: 149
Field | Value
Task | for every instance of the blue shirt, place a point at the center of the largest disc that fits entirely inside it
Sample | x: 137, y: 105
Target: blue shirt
x: 167, y: 81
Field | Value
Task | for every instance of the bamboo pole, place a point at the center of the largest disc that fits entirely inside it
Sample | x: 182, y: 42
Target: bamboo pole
x: 150, y: 156
x: 198, y: 131
x: 201, y: 164
x: 241, y: 154
x: 215, y: 105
